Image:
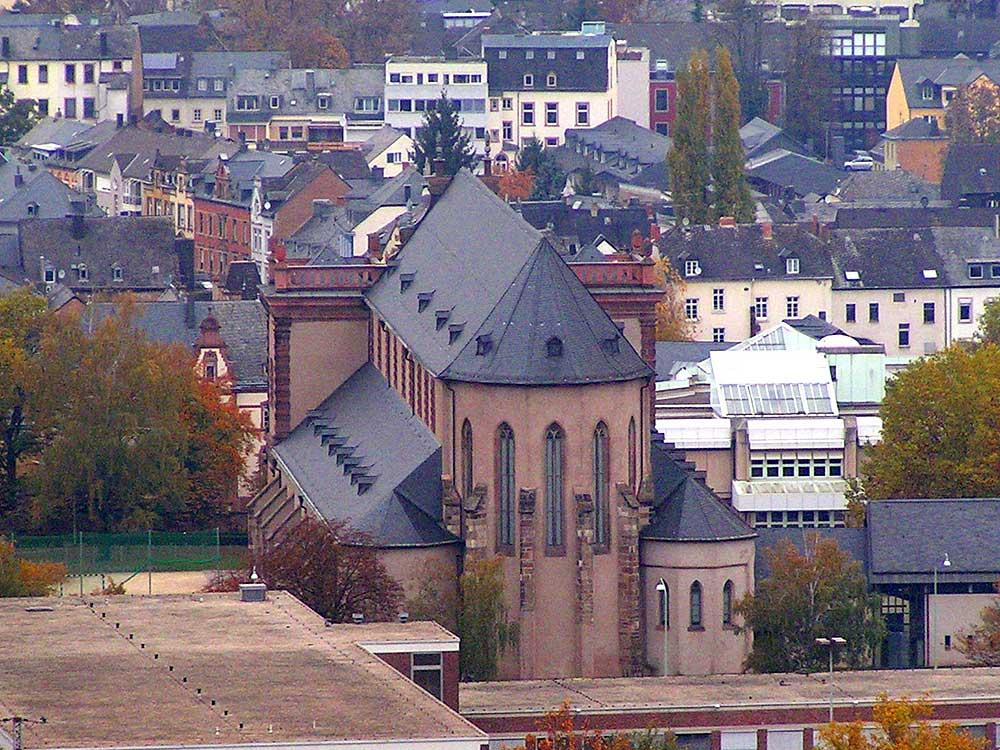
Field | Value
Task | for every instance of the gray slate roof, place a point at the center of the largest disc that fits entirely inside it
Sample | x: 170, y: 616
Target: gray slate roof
x: 917, y: 129
x: 870, y: 217
x: 70, y: 43
x: 580, y: 227
x: 941, y: 72
x: 908, y: 538
x: 686, y: 510
x: 785, y: 169
x: 386, y: 448
x: 852, y: 541
x: 970, y: 169
x: 880, y: 186
x: 589, y: 74
x: 878, y: 255
x: 41, y: 195
x: 142, y: 145
x: 290, y: 85
x: 671, y: 356
x: 760, y: 136
x: 507, y: 301
x: 242, y: 325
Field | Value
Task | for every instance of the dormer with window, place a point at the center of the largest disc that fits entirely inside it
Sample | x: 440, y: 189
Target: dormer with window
x: 692, y: 267
x: 275, y: 102
x: 117, y: 273
x: 554, y: 347
x: 247, y: 103
x: 49, y: 274
x: 927, y: 91
x: 81, y: 272
x: 551, y: 81
x: 529, y: 81
x: 792, y: 266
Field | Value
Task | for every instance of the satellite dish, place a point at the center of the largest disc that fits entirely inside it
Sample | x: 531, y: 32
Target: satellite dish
x: 267, y: 205
x: 62, y: 274
x: 685, y: 221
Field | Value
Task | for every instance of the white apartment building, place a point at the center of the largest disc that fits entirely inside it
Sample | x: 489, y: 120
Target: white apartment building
x: 74, y: 71
x: 541, y: 84
x: 413, y: 84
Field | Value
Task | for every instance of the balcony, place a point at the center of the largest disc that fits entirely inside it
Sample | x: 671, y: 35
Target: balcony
x: 325, y: 278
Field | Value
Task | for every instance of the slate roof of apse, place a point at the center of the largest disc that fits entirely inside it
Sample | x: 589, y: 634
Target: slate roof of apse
x: 671, y: 356
x: 579, y: 226
x: 242, y: 325
x: 970, y: 169
x: 852, y: 217
x: 589, y: 74
x: 884, y: 185
x: 685, y: 509
x: 878, y: 255
x: 947, y: 37
x: 734, y: 253
x: 342, y: 86
x: 70, y: 42
x: 790, y: 170
x: 403, y: 505
x: 135, y: 243
x: 908, y: 538
x: 917, y: 129
x: 942, y: 72
x: 852, y: 541
x: 523, y: 296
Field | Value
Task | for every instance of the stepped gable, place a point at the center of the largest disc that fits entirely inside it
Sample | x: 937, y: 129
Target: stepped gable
x: 686, y: 509
x: 499, y: 307
x: 364, y: 458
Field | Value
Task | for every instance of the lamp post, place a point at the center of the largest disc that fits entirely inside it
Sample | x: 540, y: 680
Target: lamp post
x: 661, y: 588
x: 830, y: 644
x: 932, y: 637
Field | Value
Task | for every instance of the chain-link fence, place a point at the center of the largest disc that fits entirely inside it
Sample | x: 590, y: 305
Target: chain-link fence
x: 124, y: 556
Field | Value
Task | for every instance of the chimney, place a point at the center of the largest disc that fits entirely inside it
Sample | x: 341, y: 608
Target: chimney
x: 727, y: 221
x: 814, y: 225
x: 18, y: 177
x: 255, y: 591
x: 322, y: 206
x: 437, y: 167
x: 767, y: 230
x: 103, y: 43
x: 5, y: 46
x: 636, y: 241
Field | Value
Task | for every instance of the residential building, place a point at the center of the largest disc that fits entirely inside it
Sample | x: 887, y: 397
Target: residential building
x: 189, y: 89
x: 919, y: 147
x: 60, y: 141
x: 573, y: 227
x: 970, y: 177
x: 119, y: 171
x: 924, y: 87
x: 542, y: 84
x: 414, y: 84
x: 794, y: 10
x: 633, y: 84
x: 306, y: 109
x: 171, y: 189
x: 399, y: 678
x: 362, y: 353
x: 389, y: 150
x: 88, y: 72
x: 740, y: 279
x: 107, y: 255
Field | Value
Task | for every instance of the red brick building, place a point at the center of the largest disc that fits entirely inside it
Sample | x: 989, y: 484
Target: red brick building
x: 221, y: 225
x: 663, y: 101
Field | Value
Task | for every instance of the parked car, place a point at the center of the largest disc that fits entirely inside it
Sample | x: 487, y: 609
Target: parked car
x: 859, y: 163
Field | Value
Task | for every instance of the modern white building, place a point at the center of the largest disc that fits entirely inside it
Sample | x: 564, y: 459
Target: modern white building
x: 414, y: 84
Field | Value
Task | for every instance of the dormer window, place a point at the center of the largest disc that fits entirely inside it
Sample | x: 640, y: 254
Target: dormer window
x: 441, y: 318
x: 405, y: 279
x: 484, y: 344
x: 322, y: 102
x: 792, y: 266
x: 275, y: 102
x: 554, y: 347
x: 50, y: 275
x: 611, y: 345
x: 927, y: 92
x: 424, y: 299
x: 529, y: 54
x: 551, y: 80
x: 211, y: 366
x: 81, y: 272
x: 529, y: 81
x: 454, y: 331
x: 117, y: 273
x: 975, y: 270
x: 692, y: 267
x: 32, y: 209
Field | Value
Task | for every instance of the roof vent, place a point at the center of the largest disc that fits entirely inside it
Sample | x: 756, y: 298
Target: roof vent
x: 454, y: 331
x: 405, y: 279
x: 424, y: 299
x: 255, y: 591
x: 440, y: 318
x: 554, y: 347
x: 484, y: 344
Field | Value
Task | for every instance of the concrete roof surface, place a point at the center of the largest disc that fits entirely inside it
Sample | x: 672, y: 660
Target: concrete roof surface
x: 191, y: 670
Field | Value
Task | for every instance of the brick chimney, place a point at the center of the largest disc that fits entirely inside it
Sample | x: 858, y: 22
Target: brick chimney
x: 727, y: 221
x: 767, y: 230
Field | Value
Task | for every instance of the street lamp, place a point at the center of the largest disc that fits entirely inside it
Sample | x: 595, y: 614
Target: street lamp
x: 932, y: 637
x: 830, y: 644
x: 661, y: 588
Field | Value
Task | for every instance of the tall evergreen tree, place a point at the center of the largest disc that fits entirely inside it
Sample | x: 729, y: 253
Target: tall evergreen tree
x: 441, y: 137
x: 732, y: 196
x: 690, y: 172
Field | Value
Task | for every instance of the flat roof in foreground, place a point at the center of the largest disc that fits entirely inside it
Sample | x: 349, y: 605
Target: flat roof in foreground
x: 209, y: 669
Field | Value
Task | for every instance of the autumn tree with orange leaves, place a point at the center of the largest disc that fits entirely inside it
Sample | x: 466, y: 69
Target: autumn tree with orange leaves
x: 559, y: 731
x: 671, y: 325
x: 900, y: 724
x: 19, y: 577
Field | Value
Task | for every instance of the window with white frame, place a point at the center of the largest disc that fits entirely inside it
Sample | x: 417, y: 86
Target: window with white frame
x: 275, y: 102
x: 718, y: 299
x: 426, y: 670
x: 791, y: 266
x: 507, y: 103
x: 529, y: 81
x: 791, y: 307
x: 551, y: 80
x: 718, y: 335
x: 692, y: 267
x: 551, y: 113
x: 965, y: 310
x: 583, y: 113
x: 196, y: 115
x: 527, y: 113
x: 691, y: 308
x: 796, y: 464
x: 760, y: 307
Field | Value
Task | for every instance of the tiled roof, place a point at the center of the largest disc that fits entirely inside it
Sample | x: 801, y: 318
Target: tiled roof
x: 851, y: 217
x: 875, y: 255
x: 41, y: 196
x: 910, y: 538
x: 363, y: 457
x: 880, y: 186
x: 579, y: 226
x: 296, y: 98
x: 686, y: 510
x: 786, y: 169
x: 145, y: 144
x: 970, y: 169
x: 493, y: 321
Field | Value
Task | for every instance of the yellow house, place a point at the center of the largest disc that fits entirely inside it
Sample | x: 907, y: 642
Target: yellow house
x: 924, y: 87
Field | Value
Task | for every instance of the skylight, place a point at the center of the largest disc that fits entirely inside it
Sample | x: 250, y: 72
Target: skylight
x: 852, y: 275
x: 930, y: 273
x: 777, y: 398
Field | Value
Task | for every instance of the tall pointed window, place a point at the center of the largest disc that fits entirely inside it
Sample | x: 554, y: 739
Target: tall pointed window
x: 696, y: 605
x: 554, y: 486
x: 466, y: 459
x: 727, y: 603
x: 505, y: 486
x: 632, y: 455
x: 602, y: 531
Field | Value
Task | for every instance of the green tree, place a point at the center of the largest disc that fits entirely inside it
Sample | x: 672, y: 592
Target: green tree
x: 688, y: 160
x: 973, y: 116
x: 732, y: 195
x: 989, y: 324
x: 550, y: 180
x: 441, y: 137
x: 482, y: 620
x: 23, y: 315
x: 17, y: 116
x: 939, y: 429
x: 819, y: 593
